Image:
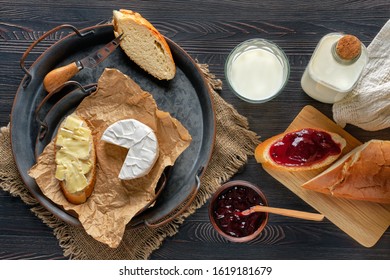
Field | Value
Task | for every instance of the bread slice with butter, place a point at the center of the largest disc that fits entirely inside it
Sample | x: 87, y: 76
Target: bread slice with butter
x: 144, y: 44
x: 75, y: 159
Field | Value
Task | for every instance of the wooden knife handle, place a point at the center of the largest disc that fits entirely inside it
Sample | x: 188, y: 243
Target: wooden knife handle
x: 58, y: 76
x: 288, y: 212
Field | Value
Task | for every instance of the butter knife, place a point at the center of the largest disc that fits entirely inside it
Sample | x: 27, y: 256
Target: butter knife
x: 58, y: 76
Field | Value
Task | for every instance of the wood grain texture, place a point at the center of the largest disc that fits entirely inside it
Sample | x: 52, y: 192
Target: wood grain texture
x: 207, y: 30
x: 364, y: 221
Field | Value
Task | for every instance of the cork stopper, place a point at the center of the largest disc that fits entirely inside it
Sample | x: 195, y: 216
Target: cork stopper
x: 348, y: 47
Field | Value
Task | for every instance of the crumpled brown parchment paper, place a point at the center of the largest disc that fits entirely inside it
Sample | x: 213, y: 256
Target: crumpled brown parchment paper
x: 114, y: 202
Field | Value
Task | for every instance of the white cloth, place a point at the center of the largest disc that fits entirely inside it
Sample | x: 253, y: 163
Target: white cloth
x: 368, y: 105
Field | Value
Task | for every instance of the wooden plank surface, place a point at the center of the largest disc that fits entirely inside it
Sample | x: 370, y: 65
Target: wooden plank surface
x: 207, y: 30
x: 364, y: 221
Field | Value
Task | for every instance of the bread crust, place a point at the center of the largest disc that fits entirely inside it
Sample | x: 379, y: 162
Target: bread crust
x: 80, y: 196
x: 363, y: 174
x: 141, y: 21
x: 262, y: 153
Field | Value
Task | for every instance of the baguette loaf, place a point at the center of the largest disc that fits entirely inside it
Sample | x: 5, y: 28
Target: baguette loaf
x: 362, y: 174
x: 305, y: 149
x: 75, y: 159
x: 144, y: 44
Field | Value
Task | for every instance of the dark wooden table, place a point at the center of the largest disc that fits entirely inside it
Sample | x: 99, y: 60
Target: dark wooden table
x: 207, y: 30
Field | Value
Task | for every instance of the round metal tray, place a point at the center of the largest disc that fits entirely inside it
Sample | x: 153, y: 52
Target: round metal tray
x: 186, y: 97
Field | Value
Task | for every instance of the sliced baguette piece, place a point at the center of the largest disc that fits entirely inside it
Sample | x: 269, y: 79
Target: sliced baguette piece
x: 80, y: 193
x: 362, y: 174
x: 263, y: 156
x: 144, y: 44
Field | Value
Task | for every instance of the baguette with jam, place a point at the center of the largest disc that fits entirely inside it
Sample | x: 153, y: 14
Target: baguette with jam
x: 362, y: 174
x: 304, y: 149
x: 75, y: 159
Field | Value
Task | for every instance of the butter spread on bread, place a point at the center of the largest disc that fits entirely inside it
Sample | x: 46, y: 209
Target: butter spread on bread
x: 362, y: 174
x: 141, y: 143
x: 75, y: 159
x: 304, y: 149
x: 144, y: 44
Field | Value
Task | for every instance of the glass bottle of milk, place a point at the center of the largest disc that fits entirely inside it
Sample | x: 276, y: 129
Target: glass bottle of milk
x: 334, y: 68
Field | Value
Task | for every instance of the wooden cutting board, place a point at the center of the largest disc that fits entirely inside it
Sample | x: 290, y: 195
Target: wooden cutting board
x: 363, y: 221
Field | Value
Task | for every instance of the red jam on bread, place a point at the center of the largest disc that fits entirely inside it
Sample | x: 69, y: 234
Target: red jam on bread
x: 304, y: 149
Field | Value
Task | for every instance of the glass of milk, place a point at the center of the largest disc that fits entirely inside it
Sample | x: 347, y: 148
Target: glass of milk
x: 257, y: 70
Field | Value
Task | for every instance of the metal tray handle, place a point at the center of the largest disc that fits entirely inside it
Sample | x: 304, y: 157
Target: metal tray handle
x: 182, y: 206
x: 45, y: 35
x: 87, y: 90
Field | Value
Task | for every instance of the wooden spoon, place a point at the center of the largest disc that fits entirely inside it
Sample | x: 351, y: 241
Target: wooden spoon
x: 284, y: 212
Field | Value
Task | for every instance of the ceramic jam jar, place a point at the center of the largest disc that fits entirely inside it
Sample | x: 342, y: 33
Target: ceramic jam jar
x: 226, y: 205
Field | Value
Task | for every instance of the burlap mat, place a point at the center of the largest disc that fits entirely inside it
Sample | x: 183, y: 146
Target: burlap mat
x: 234, y: 143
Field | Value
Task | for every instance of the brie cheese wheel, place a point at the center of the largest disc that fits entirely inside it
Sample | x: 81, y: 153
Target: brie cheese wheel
x: 141, y: 142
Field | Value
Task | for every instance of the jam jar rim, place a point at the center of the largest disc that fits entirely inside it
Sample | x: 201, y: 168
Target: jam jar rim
x: 224, y: 187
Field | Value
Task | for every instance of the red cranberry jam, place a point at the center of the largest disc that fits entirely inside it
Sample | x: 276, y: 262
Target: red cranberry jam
x: 228, y: 208
x: 303, y: 147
